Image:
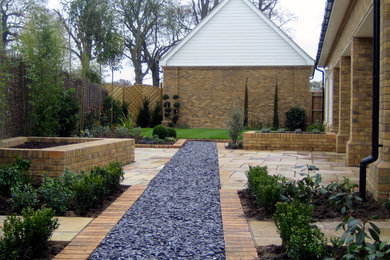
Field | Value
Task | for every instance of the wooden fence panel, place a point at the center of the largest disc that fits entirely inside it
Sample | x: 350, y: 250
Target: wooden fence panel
x: 134, y: 95
x: 316, y: 107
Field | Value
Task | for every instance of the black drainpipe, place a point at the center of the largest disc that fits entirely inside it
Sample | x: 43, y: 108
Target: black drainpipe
x: 375, y: 105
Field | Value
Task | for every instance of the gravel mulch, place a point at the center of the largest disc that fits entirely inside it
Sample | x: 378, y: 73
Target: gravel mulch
x: 179, y: 214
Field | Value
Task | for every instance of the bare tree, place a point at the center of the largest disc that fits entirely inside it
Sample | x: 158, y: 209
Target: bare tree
x: 201, y: 8
x: 12, y: 14
x: 271, y: 8
x: 172, y: 24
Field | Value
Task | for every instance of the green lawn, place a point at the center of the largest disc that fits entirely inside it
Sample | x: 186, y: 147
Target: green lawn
x: 194, y: 133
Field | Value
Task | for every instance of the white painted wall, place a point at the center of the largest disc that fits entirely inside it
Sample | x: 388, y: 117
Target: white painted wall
x: 237, y: 36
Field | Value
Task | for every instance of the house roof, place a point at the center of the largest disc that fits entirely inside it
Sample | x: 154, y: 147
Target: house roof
x: 236, y: 33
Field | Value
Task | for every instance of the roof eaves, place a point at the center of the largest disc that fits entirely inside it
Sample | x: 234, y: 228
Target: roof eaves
x: 325, y: 23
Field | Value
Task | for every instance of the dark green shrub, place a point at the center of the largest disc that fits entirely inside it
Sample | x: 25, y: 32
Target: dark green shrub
x: 161, y: 131
x: 165, y: 97
x: 12, y: 174
x: 267, y: 189
x: 177, y: 104
x: 176, y: 97
x: 68, y: 114
x: 295, y: 118
x: 156, y: 115
x: 112, y: 176
x: 168, y: 110
x: 343, y: 195
x: 306, y: 243
x: 23, y: 196
x: 171, y: 132
x: 26, y: 237
x: 91, y: 118
x: 167, y: 104
x: 291, y: 215
x: 55, y: 194
x: 143, y: 118
x: 84, y: 197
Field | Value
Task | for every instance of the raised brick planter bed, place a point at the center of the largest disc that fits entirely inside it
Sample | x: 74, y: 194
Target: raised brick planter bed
x: 289, y: 141
x: 83, y: 154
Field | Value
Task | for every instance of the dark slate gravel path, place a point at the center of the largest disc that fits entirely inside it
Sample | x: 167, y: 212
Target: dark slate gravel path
x: 179, y: 214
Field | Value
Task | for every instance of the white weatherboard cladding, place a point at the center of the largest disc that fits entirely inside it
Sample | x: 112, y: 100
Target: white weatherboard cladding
x: 236, y: 36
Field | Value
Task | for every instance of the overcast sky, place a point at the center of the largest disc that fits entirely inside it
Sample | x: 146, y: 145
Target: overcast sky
x: 306, y: 30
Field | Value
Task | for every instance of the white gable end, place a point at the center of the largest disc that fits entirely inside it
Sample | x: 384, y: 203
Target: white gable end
x: 237, y: 34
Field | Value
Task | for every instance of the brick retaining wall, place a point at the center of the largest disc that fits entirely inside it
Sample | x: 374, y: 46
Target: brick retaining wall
x: 84, y: 155
x: 289, y: 141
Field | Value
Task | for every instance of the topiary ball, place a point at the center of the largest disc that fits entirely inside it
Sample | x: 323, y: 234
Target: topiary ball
x: 161, y: 131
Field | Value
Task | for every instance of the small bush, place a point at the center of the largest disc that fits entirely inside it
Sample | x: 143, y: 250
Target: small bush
x: 68, y: 114
x: 27, y: 237
x: 165, y: 97
x: 13, y: 174
x: 117, y: 111
x: 112, y: 176
x: 23, y: 196
x: 306, y: 244
x: 161, y: 131
x: 55, y: 194
x: 235, y: 124
x: 122, y: 132
x: 126, y: 122
x: 176, y: 97
x: 143, y: 119
x: 266, y: 130
x: 84, y: 197
x: 295, y: 118
x: 171, y: 132
x: 267, y: 189
x: 100, y: 131
x: 316, y: 126
x: 291, y: 215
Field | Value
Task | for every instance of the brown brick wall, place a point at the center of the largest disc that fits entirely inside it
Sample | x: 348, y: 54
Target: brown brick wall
x: 289, y: 141
x: 335, y: 118
x: 207, y: 93
x: 379, y: 172
x: 361, y: 101
x: 344, y: 104
x: 84, y: 155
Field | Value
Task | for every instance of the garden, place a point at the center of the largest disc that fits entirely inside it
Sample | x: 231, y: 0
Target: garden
x: 294, y: 206
x: 38, y: 201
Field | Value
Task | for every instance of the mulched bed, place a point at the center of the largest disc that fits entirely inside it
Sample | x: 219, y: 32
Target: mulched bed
x: 56, y: 247
x: 40, y: 145
x: 322, y: 211
x: 6, y: 205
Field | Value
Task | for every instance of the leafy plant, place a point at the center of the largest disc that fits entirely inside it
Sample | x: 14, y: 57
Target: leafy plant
x: 23, y: 196
x: 126, y: 122
x: 265, y: 130
x: 160, y: 131
x: 55, y: 194
x: 100, y: 131
x: 26, y: 237
x: 355, y: 238
x: 295, y: 118
x: 235, y: 124
x: 316, y: 126
x: 165, y: 97
x: 13, y: 174
x: 175, y: 97
x: 68, y: 113
x: 112, y: 105
x: 344, y: 195
x: 122, y: 132
x: 143, y: 118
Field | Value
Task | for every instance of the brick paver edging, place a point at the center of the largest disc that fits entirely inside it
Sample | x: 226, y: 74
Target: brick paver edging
x: 238, y: 239
x: 178, y: 144
x: 88, y: 239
